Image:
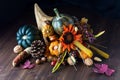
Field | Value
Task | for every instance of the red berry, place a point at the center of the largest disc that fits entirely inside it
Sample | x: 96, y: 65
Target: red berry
x: 53, y: 63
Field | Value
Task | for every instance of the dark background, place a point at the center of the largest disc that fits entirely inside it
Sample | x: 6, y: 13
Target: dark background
x: 11, y: 10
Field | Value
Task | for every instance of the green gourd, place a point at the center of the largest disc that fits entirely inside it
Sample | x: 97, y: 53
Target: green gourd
x: 26, y: 35
x: 59, y: 20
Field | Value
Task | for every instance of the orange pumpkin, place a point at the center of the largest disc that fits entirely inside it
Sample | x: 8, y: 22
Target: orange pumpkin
x: 55, y: 48
x: 47, y: 30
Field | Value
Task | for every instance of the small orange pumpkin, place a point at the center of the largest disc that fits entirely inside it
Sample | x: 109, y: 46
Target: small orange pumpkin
x: 55, y: 48
x: 47, y: 30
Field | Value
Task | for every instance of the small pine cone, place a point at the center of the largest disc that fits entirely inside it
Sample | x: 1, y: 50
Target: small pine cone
x: 38, y: 49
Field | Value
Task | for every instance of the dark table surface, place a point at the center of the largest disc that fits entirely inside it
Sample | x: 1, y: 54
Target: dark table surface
x: 111, y: 39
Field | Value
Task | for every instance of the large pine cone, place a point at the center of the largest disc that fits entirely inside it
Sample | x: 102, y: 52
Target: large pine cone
x: 38, y: 49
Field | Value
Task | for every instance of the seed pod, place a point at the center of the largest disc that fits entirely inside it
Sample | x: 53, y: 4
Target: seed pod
x: 71, y: 60
x: 76, y: 29
x: 97, y: 59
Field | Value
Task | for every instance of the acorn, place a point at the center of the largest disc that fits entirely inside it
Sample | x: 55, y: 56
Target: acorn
x: 43, y: 59
x: 38, y: 61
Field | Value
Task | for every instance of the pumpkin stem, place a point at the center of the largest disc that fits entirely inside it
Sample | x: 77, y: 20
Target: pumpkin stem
x: 24, y: 37
x: 56, y: 12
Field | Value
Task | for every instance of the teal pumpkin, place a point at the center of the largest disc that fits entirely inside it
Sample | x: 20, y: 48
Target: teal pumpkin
x: 59, y: 20
x: 26, y: 35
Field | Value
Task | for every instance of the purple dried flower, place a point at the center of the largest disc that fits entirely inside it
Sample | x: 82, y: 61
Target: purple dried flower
x: 97, y: 66
x: 103, y: 68
x: 91, y: 39
x: 109, y: 72
x: 28, y: 65
x: 96, y: 70
x: 31, y: 66
x: 88, y: 34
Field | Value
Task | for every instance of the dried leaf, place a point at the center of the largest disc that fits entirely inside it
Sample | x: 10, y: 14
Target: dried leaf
x: 31, y: 66
x: 28, y: 65
x: 109, y: 72
x: 103, y: 68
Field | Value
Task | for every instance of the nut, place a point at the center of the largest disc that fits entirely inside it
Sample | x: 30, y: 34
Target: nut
x: 43, y: 59
x: 97, y: 59
x: 88, y: 61
x: 38, y: 61
x: 17, y: 49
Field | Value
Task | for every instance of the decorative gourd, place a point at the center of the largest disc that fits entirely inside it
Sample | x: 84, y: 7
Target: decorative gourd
x: 59, y: 20
x: 26, y: 34
x: 54, y: 48
x: 47, y: 30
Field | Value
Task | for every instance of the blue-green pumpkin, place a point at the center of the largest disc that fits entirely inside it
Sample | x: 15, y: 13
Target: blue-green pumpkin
x: 26, y: 35
x: 59, y: 20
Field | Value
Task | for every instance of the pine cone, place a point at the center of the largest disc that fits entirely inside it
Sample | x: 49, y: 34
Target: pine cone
x: 38, y: 49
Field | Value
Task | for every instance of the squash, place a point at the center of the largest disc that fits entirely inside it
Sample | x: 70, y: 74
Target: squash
x: 47, y: 30
x: 54, y: 48
x: 26, y: 35
x: 59, y: 20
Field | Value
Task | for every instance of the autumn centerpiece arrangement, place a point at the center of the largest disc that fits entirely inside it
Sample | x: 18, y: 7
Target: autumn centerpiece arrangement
x: 60, y: 40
